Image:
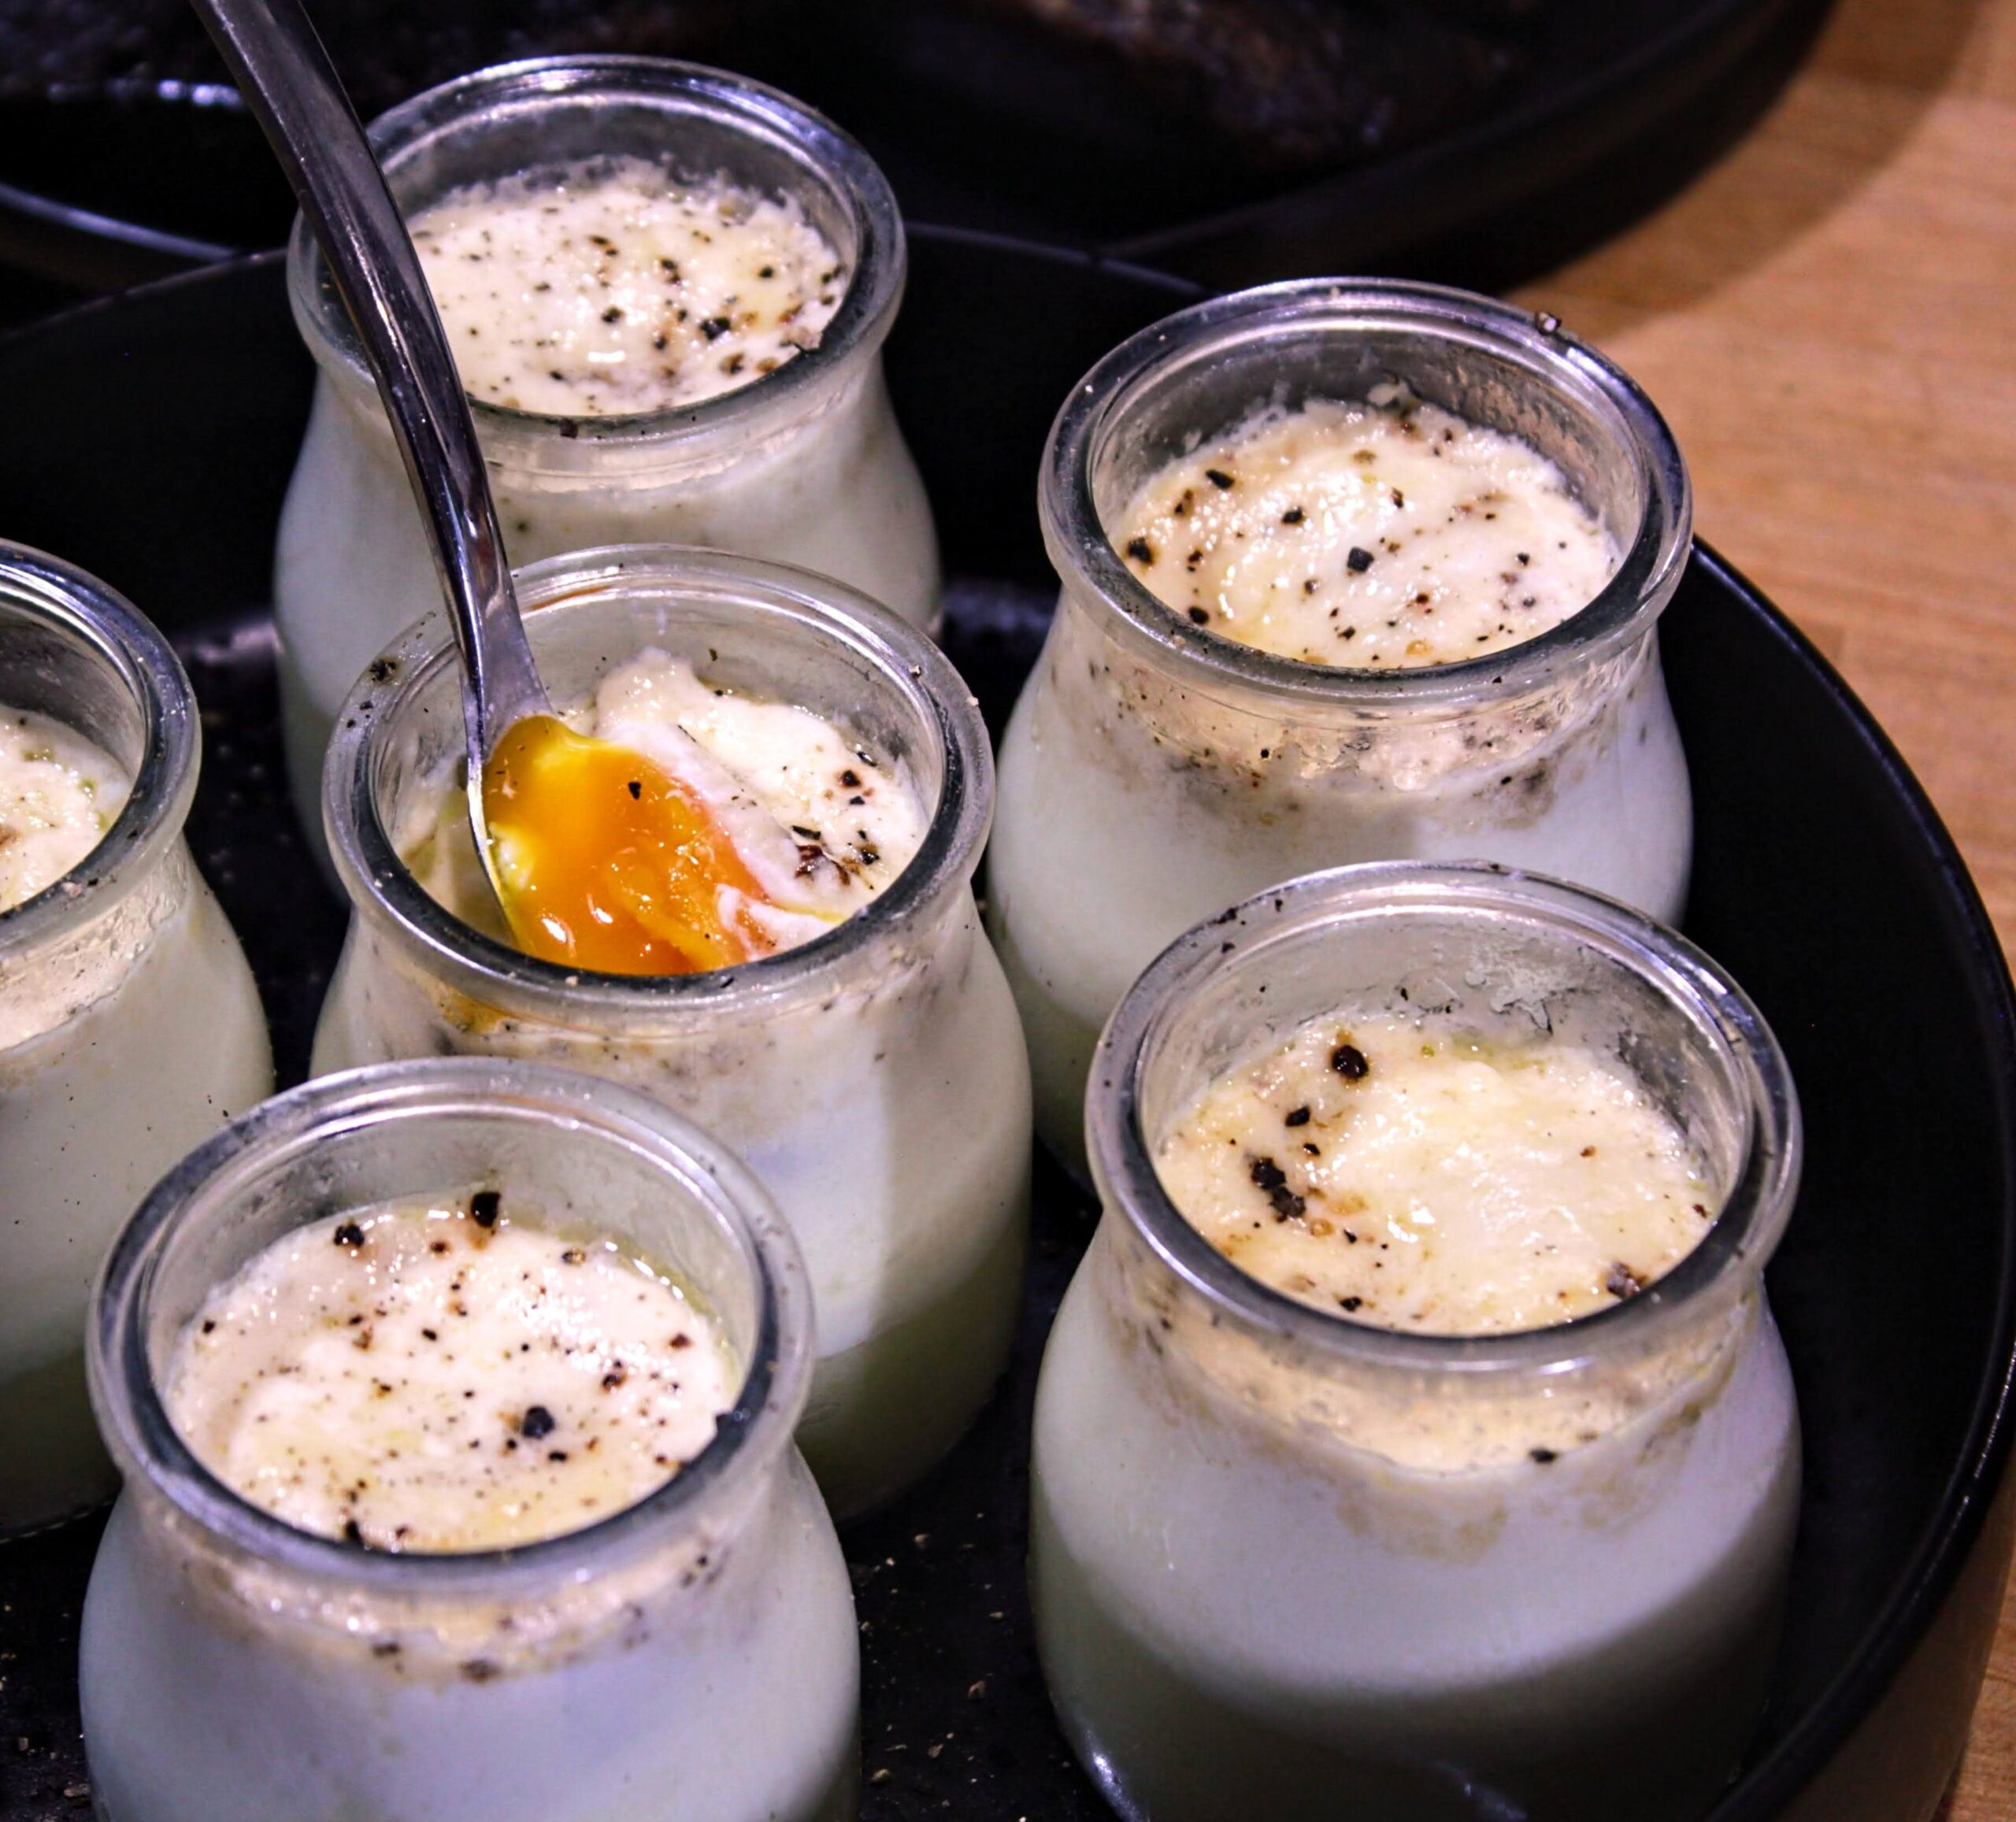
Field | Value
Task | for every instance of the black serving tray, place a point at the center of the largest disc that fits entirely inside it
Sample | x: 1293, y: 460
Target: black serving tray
x: 133, y: 159
x: 149, y: 438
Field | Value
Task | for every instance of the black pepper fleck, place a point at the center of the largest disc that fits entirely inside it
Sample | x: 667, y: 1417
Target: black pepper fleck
x: 1349, y: 1061
x: 1359, y: 560
x: 1272, y: 1181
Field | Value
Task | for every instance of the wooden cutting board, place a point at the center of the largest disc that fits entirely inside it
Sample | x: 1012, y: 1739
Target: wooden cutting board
x: 1828, y: 317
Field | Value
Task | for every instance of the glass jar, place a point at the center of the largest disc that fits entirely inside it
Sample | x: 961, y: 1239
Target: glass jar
x: 699, y: 1645
x: 874, y: 1079
x: 1287, y: 1564
x: 130, y: 1026
x: 1154, y: 773
x: 805, y: 465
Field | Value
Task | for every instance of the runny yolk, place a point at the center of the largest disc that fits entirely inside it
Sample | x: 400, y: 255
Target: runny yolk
x: 608, y: 862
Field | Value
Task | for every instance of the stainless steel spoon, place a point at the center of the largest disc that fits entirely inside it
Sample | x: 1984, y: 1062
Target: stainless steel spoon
x: 286, y: 77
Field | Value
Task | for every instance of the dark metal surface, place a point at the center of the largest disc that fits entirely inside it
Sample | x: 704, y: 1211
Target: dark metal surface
x: 149, y: 440
x: 1604, y: 107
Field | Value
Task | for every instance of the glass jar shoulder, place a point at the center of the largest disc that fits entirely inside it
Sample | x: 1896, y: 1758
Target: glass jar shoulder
x: 731, y: 1672
x: 1620, y: 1531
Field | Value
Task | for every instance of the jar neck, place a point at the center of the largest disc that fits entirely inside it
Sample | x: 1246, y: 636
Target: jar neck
x: 383, y: 1135
x: 1482, y: 944
x: 72, y: 650
x: 703, y: 125
x: 778, y: 633
x: 1224, y: 721
x: 1208, y: 370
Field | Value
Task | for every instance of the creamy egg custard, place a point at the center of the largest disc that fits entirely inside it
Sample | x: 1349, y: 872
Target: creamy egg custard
x: 1426, y: 1179
x: 667, y: 298
x: 739, y: 875
x: 1415, y: 1442
x: 488, y: 1373
x: 1309, y: 618
x: 1386, y: 532
x: 439, y: 1376
x: 58, y: 795
x: 597, y: 290
x: 130, y: 1026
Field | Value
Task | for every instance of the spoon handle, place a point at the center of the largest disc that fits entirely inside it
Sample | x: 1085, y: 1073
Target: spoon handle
x: 286, y: 76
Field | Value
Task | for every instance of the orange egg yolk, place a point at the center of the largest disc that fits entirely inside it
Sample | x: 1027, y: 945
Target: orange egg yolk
x: 608, y: 862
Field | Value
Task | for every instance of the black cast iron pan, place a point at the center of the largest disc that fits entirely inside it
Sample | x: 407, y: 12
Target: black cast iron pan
x: 149, y: 438
x: 1477, y: 141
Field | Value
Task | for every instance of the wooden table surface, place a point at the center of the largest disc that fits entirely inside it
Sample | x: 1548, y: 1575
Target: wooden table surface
x: 1827, y: 318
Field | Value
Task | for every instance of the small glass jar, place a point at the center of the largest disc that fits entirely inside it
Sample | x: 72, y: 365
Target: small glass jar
x: 699, y: 1645
x: 130, y: 1026
x: 1287, y: 1564
x: 1154, y: 773
x: 807, y: 465
x: 875, y: 1078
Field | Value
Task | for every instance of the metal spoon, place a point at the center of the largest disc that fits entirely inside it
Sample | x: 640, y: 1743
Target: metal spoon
x: 286, y: 76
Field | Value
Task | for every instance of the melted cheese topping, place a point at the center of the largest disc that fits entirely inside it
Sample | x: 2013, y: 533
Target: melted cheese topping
x: 610, y: 288
x: 1387, y: 534
x: 412, y: 1379
x: 58, y: 795
x: 753, y: 828
x: 1417, y: 1178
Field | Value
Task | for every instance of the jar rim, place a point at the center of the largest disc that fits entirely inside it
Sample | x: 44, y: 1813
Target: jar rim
x: 1733, y: 1253
x: 105, y: 629
x: 148, y: 1447
x: 946, y: 721
x: 867, y: 309
x: 1623, y: 612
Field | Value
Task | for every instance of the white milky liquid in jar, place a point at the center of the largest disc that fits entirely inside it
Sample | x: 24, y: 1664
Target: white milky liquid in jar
x: 600, y: 290
x: 439, y: 1376
x: 1385, y: 533
x: 1493, y: 1517
x: 489, y: 1374
x: 58, y: 795
x: 1415, y: 1177
x: 120, y: 974
x: 668, y: 298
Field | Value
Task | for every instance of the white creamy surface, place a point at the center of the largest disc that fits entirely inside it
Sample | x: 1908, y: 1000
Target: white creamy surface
x: 1417, y: 1178
x: 611, y: 287
x: 58, y: 795
x: 1388, y: 533
x: 823, y: 822
x: 444, y: 1377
